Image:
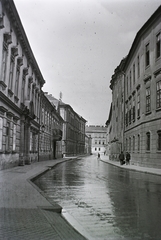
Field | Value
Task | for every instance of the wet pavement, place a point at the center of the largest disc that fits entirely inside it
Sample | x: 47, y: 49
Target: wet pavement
x: 109, y: 202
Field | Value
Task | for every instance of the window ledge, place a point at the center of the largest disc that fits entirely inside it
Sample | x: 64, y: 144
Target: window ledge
x: 147, y: 151
x: 16, y: 99
x: 10, y: 92
x: 2, y: 85
x: 159, y: 151
x: 148, y: 113
x: 147, y: 66
x: 158, y: 109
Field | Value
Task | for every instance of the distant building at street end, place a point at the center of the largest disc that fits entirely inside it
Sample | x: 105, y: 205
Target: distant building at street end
x: 135, y: 120
x: 99, y: 139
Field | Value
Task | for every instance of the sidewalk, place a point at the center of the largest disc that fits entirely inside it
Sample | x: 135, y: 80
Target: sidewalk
x: 131, y: 167
x: 25, y: 213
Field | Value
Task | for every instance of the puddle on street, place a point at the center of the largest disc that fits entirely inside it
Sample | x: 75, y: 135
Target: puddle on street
x: 109, y: 202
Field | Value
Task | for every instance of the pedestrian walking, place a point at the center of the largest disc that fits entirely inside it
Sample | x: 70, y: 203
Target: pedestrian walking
x: 98, y: 155
x: 128, y: 157
x: 122, y: 158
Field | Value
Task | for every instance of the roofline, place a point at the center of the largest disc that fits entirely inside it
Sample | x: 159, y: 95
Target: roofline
x: 12, y: 12
x: 51, y: 105
x: 64, y: 105
x: 140, y: 33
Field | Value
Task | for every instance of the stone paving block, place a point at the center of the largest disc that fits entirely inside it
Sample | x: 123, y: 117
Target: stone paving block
x: 18, y: 224
x: 65, y: 230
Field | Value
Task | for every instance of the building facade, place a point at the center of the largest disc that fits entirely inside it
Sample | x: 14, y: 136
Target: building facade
x: 88, y: 144
x: 30, y: 126
x: 98, y: 135
x: 50, y: 135
x: 20, y: 89
x: 73, y: 141
x: 140, y: 83
x: 116, y: 127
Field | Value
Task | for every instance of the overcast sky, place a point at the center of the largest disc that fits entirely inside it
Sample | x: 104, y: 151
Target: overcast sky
x: 78, y: 44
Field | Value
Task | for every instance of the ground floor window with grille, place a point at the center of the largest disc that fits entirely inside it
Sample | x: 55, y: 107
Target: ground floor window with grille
x: 159, y: 140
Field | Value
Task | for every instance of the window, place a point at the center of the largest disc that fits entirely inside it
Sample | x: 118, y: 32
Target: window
x: 158, y: 44
x: 4, y: 58
x: 95, y: 149
x: 159, y: 140
x: 1, y: 132
x: 133, y: 109
x: 147, y: 55
x: 138, y: 143
x: 129, y: 144
x: 138, y: 63
x: 12, y: 64
x: 95, y: 142
x: 138, y: 105
x: 130, y: 114
x: 148, y: 99
x: 126, y: 144
x: 17, y: 79
x: 134, y: 73
x: 148, y: 141
x: 23, y: 89
x: 14, y: 137
x: 28, y: 91
x: 133, y: 143
x: 159, y: 94
x: 127, y: 85
x: 130, y: 81
x: 99, y: 149
x: 8, y: 136
x: 126, y: 116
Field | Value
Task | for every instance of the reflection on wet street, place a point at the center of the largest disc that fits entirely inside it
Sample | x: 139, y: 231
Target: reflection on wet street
x: 109, y: 202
